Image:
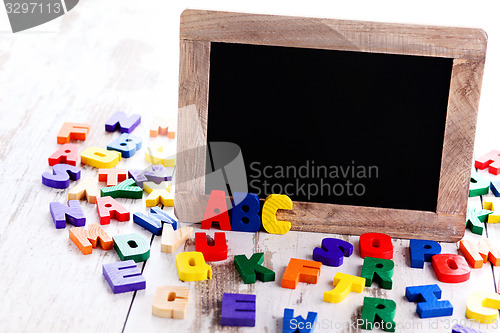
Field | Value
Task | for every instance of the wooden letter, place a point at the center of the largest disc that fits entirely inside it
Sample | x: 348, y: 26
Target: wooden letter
x: 171, y: 239
x: 127, y: 145
x: 123, y: 276
x: 379, y: 270
x: 171, y: 302
x: 494, y: 205
x: 451, y: 268
x: 271, y: 205
x: 191, y: 266
x: 88, y: 239
x: 100, y: 158
x: 344, y: 284
x: 429, y: 305
x: 375, y: 245
x: 483, y: 306
x: 86, y: 187
x: 72, y: 131
x: 299, y: 270
x: 108, y: 208
x: 62, y: 214
x: 112, y: 176
x: 480, y: 252
x: 120, y: 121
x: 156, y: 155
x: 238, y: 310
x: 159, y: 193
x: 215, y: 252
x: 491, y: 161
x: 67, y: 154
x: 378, y: 310
x: 131, y: 247
x: 216, y: 211
x: 422, y: 251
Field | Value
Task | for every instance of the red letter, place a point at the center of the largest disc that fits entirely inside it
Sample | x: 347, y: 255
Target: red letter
x: 108, y: 208
x: 67, y: 154
x: 216, y: 211
x: 451, y: 268
x: 375, y: 245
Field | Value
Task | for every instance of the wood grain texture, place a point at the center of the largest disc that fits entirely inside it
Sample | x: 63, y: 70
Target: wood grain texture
x: 171, y: 302
x: 459, y: 135
x: 194, y: 71
x: 343, y: 219
x: 318, y: 33
x: 466, y: 46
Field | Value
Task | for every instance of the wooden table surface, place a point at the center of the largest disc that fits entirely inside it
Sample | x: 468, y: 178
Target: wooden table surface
x: 108, y: 56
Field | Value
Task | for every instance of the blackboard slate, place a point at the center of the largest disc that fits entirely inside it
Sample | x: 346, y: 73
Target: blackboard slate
x: 284, y: 106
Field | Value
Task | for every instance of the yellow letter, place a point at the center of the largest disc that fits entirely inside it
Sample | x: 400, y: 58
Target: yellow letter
x: 344, y: 284
x: 271, y: 206
x: 155, y: 155
x: 191, y: 266
x: 100, y: 158
x: 483, y: 306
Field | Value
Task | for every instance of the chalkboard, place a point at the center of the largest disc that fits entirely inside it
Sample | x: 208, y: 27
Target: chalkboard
x: 303, y: 102
x: 330, y: 126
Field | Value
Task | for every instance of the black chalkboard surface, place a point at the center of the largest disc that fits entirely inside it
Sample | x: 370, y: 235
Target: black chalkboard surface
x: 329, y: 126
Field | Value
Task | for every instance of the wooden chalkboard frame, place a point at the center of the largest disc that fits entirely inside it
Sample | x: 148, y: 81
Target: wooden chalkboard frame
x: 467, y: 48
